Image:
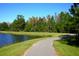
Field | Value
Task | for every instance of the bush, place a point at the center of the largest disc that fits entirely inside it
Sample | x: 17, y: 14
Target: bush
x: 71, y: 39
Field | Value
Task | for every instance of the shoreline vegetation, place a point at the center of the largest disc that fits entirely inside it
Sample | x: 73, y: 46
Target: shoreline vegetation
x: 17, y: 49
x: 41, y: 34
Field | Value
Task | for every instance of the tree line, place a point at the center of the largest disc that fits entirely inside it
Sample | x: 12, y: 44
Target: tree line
x: 65, y: 22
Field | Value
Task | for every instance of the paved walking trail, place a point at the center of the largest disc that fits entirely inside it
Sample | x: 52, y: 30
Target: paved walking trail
x: 42, y: 48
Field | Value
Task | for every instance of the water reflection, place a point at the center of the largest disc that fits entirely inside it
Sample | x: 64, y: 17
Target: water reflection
x: 6, y: 39
x: 19, y: 38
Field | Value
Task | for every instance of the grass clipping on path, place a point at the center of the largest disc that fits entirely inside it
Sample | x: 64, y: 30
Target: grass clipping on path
x: 17, y: 49
x: 65, y: 50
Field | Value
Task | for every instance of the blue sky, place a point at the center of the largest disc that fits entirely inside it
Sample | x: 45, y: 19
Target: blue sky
x: 9, y: 11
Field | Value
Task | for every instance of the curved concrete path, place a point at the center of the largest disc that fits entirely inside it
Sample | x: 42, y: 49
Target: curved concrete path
x: 42, y: 48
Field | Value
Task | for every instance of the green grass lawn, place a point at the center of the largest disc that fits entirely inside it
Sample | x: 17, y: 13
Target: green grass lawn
x: 65, y: 50
x: 41, y: 34
x: 19, y: 48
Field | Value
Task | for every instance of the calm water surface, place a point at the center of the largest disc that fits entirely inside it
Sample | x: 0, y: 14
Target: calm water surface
x: 6, y: 39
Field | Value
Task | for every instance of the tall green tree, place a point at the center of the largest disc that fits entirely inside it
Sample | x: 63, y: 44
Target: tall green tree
x: 51, y: 24
x: 4, y: 26
x: 18, y: 24
x: 64, y: 22
x: 74, y: 10
x: 41, y: 25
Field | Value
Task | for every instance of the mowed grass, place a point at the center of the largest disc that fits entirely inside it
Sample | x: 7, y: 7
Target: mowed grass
x: 17, y: 49
x: 41, y: 34
x: 63, y: 49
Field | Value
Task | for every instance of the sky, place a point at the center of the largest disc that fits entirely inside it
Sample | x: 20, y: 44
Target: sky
x: 9, y: 11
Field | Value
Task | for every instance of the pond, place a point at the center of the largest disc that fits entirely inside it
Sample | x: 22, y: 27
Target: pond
x: 6, y: 39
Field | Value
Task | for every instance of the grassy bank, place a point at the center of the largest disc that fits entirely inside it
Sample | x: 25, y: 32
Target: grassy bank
x: 17, y: 49
x: 41, y: 34
x: 66, y: 50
